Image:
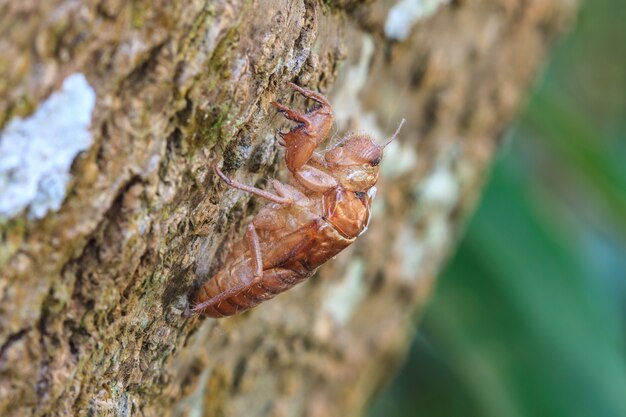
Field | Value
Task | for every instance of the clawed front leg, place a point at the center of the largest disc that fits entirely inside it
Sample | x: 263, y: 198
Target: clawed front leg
x: 314, y: 126
x: 313, y: 95
x: 292, y: 114
x: 305, y: 119
x: 253, y: 190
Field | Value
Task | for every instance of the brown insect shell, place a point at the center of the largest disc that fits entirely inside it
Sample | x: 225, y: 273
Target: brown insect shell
x: 330, y: 197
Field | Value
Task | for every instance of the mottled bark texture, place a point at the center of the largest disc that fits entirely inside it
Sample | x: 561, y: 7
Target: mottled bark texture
x: 93, y: 294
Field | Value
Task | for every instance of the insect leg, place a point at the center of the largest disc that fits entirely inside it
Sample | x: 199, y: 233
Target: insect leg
x: 281, y: 141
x: 213, y: 306
x: 255, y: 248
x: 313, y: 95
x: 292, y: 114
x: 253, y: 190
x: 288, y: 191
x: 301, y: 141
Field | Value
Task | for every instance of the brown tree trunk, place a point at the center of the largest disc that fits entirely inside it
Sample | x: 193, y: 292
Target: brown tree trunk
x: 93, y: 292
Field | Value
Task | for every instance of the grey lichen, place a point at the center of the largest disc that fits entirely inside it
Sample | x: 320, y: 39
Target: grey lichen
x: 406, y: 13
x: 36, y: 152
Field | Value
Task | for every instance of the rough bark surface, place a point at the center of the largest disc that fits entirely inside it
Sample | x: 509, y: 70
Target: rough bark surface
x: 93, y: 295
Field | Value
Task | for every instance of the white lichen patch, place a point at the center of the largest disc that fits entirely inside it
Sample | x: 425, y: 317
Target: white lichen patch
x: 438, y: 195
x: 406, y: 13
x: 346, y: 102
x: 344, y: 296
x: 410, y: 252
x: 349, y: 111
x: 36, y: 152
x: 440, y: 188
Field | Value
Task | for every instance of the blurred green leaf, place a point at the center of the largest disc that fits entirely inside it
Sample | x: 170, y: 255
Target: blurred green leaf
x: 529, y: 316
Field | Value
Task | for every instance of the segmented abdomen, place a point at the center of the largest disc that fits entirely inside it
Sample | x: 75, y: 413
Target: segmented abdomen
x: 234, y: 289
x: 236, y: 296
x: 288, y: 260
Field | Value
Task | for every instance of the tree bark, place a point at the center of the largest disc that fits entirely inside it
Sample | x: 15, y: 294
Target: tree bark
x: 94, y: 292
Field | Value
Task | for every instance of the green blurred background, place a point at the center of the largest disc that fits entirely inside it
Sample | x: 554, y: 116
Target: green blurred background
x: 528, y: 318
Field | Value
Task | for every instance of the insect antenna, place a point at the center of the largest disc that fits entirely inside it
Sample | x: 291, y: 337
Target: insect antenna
x: 388, y: 141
